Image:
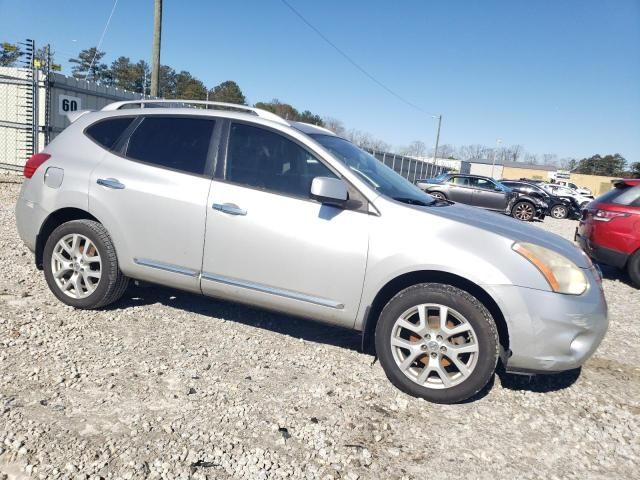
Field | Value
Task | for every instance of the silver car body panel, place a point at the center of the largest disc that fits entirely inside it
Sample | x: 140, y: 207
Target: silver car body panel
x: 298, y: 256
x: 289, y: 247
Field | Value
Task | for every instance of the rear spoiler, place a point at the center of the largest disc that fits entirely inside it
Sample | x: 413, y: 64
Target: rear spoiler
x: 73, y: 116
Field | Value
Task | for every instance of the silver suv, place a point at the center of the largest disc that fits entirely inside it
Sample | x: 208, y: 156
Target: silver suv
x: 237, y: 203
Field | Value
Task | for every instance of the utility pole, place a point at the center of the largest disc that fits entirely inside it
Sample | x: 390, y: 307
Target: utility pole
x: 435, y: 153
x: 155, y: 54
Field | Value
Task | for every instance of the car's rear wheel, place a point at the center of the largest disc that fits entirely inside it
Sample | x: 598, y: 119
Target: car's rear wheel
x: 559, y: 212
x: 437, y: 342
x: 81, y: 266
x: 633, y: 268
x: 438, y: 195
x: 524, y: 211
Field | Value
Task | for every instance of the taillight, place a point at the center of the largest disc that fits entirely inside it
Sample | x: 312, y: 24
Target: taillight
x: 34, y: 162
x: 608, y: 215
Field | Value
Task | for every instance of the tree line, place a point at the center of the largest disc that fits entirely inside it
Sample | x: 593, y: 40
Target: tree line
x: 610, y: 165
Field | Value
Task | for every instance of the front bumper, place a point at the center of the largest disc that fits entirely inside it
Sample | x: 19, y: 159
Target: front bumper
x: 551, y: 332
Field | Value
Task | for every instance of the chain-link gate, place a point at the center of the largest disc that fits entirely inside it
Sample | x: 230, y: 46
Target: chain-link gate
x: 19, y: 108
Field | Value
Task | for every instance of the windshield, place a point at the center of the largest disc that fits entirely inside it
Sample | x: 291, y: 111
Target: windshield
x: 383, y: 179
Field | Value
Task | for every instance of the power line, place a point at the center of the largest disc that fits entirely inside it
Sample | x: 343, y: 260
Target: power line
x: 104, y: 32
x: 352, y: 61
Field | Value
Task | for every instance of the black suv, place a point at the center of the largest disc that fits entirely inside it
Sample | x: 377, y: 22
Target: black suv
x: 558, y: 207
x: 484, y: 192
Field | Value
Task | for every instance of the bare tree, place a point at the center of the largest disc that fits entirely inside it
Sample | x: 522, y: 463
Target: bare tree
x: 473, y: 152
x: 335, y: 125
x: 514, y: 152
x: 445, y: 151
x: 417, y: 148
x: 549, y: 158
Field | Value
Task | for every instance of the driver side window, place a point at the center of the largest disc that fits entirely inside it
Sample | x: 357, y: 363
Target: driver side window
x: 266, y: 160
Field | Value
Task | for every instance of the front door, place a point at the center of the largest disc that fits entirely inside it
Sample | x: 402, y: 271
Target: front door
x: 267, y: 243
x: 487, y: 194
x: 151, y: 195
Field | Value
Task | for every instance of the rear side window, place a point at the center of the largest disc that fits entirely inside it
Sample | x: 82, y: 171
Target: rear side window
x: 107, y: 132
x: 463, y: 181
x: 179, y: 143
x: 622, y: 195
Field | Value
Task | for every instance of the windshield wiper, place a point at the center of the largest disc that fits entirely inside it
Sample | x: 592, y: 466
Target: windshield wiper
x: 413, y: 201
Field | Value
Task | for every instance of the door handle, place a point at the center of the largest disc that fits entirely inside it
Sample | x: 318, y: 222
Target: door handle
x: 230, y: 208
x: 110, y: 183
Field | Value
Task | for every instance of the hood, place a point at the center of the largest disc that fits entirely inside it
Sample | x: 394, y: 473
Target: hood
x: 511, y: 229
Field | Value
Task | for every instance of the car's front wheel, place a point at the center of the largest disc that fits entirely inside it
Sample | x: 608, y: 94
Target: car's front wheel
x: 81, y: 266
x: 559, y: 212
x: 437, y: 342
x: 524, y: 211
x: 438, y: 195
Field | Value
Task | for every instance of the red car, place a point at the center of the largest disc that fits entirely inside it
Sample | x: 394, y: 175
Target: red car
x: 609, y: 229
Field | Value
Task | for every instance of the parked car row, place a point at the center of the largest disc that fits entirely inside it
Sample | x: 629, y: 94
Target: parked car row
x: 521, y: 200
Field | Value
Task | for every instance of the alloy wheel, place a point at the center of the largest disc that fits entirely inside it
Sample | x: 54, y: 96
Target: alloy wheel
x: 559, y: 211
x: 76, y: 265
x: 523, y: 211
x: 434, y: 346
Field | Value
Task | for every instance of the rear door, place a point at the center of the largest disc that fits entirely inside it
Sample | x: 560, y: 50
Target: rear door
x: 487, y: 194
x: 268, y: 243
x: 150, y: 192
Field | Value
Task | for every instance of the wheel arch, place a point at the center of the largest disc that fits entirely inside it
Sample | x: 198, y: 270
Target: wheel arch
x: 53, y: 221
x: 437, y: 191
x: 406, y: 280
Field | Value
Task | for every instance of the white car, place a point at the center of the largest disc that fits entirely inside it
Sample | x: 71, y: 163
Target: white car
x: 562, y: 191
x: 580, y: 190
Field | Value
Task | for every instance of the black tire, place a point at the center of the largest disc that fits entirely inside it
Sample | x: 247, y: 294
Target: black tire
x: 439, y: 195
x: 112, y: 283
x: 559, y: 212
x: 475, y: 313
x: 633, y: 269
x: 524, y: 211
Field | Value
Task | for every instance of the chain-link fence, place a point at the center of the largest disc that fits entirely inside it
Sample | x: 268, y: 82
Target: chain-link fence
x: 410, y: 168
x: 35, y: 101
x: 19, y: 109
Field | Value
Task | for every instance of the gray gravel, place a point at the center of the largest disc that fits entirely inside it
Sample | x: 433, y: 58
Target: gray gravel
x: 171, y: 385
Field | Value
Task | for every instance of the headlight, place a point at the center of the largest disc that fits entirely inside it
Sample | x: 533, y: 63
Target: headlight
x: 562, y: 274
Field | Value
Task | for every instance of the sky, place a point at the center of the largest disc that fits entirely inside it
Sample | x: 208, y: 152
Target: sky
x: 553, y: 76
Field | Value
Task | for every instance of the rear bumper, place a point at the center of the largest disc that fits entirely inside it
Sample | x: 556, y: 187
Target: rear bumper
x: 29, y: 219
x: 550, y: 332
x: 600, y: 254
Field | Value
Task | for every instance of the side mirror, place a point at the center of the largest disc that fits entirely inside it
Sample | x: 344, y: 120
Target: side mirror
x: 329, y: 191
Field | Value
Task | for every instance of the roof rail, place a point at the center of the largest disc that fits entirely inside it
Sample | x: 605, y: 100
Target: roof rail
x: 221, y: 105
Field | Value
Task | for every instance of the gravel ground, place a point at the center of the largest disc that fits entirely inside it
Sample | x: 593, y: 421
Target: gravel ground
x: 171, y: 385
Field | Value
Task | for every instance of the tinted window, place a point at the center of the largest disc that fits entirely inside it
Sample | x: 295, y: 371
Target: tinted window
x: 263, y: 159
x: 180, y: 143
x: 107, y: 132
x: 622, y: 195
